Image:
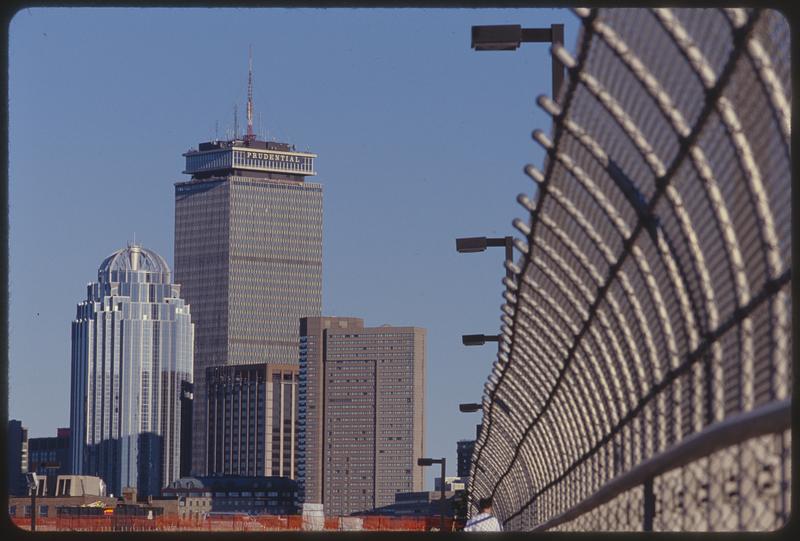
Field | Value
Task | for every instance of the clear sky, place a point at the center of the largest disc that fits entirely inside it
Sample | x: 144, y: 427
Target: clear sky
x: 420, y: 140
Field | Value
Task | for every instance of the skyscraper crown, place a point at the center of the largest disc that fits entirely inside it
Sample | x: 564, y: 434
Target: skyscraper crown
x: 134, y: 257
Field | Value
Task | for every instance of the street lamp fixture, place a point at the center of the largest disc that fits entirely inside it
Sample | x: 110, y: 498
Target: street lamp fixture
x: 507, y: 37
x: 431, y: 462
x: 469, y: 408
x: 478, y: 339
x: 469, y: 245
x: 33, y: 486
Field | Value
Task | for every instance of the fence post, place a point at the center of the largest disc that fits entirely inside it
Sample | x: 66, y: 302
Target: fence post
x: 649, y: 505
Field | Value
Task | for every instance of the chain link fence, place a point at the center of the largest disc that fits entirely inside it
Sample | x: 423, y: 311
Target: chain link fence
x: 644, y: 378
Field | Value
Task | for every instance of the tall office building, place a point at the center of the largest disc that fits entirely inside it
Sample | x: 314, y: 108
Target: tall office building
x: 464, y: 450
x: 252, y: 411
x: 248, y: 255
x: 132, y: 344
x: 361, y: 413
x: 16, y: 458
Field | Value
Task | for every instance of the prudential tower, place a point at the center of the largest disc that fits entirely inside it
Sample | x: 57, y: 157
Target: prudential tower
x: 248, y: 256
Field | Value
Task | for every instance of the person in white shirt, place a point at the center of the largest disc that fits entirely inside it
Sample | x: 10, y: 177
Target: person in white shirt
x: 484, y: 521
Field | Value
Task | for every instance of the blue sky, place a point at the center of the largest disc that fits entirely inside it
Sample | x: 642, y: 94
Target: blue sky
x: 420, y: 140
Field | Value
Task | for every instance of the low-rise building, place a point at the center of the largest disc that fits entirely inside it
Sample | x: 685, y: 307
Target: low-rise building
x: 234, y: 494
x: 69, y: 485
x: 451, y: 484
x: 427, y: 503
x: 47, y: 506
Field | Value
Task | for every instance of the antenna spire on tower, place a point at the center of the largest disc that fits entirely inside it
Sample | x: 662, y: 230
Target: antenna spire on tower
x: 235, y: 121
x: 250, y: 135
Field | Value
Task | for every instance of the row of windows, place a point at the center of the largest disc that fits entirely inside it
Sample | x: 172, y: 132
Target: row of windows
x: 370, y: 335
x: 43, y: 511
x: 250, y: 183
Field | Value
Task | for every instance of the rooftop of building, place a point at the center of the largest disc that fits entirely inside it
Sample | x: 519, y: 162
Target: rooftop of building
x: 218, y: 144
x: 230, y: 482
x: 134, y: 257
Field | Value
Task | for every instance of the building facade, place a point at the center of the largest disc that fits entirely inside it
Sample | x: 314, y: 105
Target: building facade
x: 132, y: 347
x: 464, y: 449
x: 50, y: 456
x: 236, y: 494
x: 361, y: 413
x: 251, y: 411
x: 248, y: 254
x: 16, y: 458
x: 187, y: 416
x: 420, y: 504
x: 48, y: 506
x: 451, y: 483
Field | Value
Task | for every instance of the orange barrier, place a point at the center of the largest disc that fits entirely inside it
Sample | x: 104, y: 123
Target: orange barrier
x: 239, y: 522
x: 43, y: 524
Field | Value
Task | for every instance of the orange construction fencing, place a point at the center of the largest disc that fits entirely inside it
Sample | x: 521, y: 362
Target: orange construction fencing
x: 234, y: 522
x: 43, y: 524
x: 273, y: 522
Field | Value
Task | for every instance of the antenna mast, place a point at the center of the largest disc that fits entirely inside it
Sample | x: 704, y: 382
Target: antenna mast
x: 250, y: 135
x: 235, y: 122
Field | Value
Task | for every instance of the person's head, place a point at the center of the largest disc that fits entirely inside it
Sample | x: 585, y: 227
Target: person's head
x: 485, y: 505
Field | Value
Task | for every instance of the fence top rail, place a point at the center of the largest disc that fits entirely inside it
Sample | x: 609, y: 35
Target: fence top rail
x: 768, y: 419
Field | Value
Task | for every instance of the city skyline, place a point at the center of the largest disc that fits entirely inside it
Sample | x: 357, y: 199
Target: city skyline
x: 409, y: 239
x: 640, y: 378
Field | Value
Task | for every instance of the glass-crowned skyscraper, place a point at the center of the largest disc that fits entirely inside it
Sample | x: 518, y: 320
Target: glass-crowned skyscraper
x: 248, y: 254
x: 132, y: 351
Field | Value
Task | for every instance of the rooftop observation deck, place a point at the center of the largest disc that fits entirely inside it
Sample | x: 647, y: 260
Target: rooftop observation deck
x: 216, y: 157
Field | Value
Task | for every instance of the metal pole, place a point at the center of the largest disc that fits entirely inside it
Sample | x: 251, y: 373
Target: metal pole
x: 649, y: 505
x: 441, y: 521
x: 557, y: 36
x: 33, y: 509
x: 509, y: 256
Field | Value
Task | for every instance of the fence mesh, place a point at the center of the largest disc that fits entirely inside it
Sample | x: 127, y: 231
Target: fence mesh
x: 644, y: 382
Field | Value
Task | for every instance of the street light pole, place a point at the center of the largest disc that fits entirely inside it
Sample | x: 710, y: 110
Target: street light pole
x: 508, y: 37
x: 557, y: 37
x: 441, y: 486
x: 431, y: 462
x: 33, y: 486
x: 479, y: 244
x: 469, y: 408
x: 479, y: 339
x: 33, y: 510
